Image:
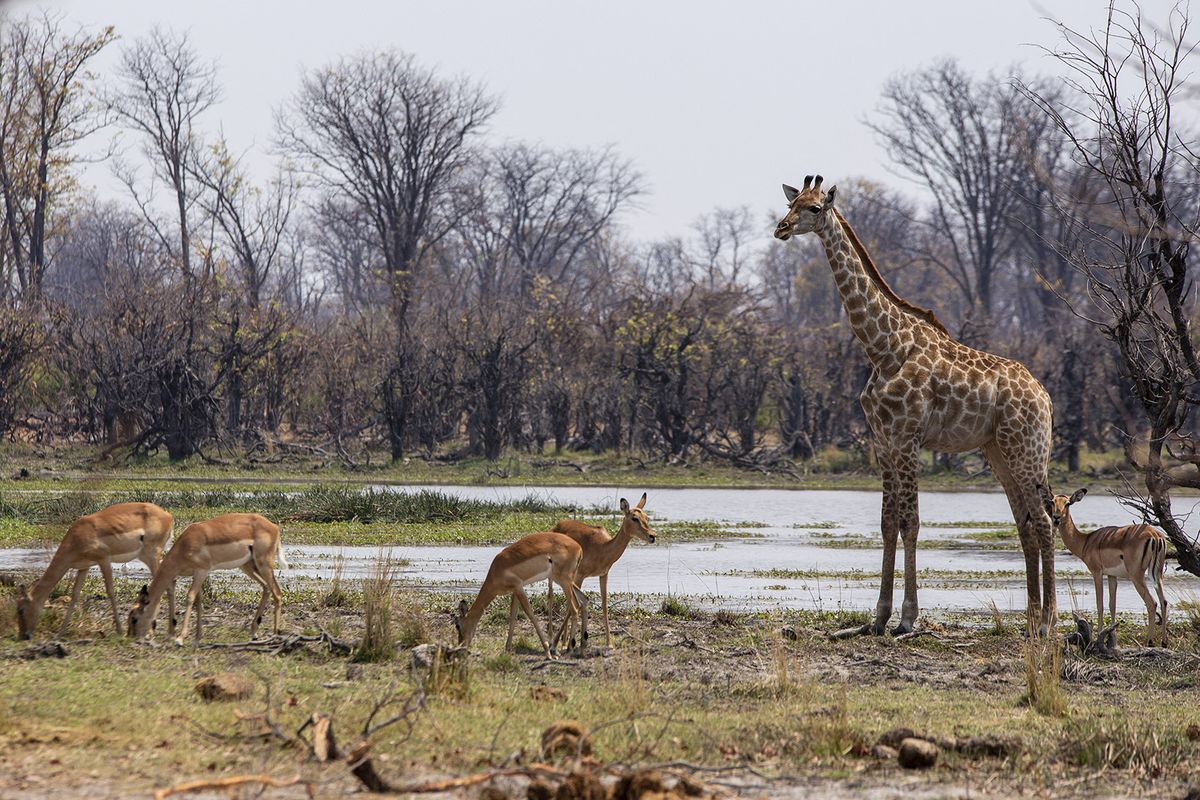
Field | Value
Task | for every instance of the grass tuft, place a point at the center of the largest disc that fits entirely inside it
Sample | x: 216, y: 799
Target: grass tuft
x: 1043, y: 676
x: 673, y: 606
x: 379, y: 607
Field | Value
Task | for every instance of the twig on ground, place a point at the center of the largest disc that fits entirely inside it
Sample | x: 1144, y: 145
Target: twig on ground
x: 226, y: 783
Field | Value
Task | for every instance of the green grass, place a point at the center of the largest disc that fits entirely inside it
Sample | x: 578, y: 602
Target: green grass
x: 740, y: 695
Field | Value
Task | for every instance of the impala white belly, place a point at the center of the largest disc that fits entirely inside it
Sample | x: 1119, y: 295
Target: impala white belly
x: 1118, y: 571
x: 243, y: 559
x: 121, y: 558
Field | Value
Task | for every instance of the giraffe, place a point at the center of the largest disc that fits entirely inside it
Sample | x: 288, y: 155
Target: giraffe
x: 928, y: 390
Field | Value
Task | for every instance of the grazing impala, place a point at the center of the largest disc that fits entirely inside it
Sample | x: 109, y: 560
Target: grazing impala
x: 114, y: 535
x: 600, y: 552
x: 1130, y: 551
x: 536, y: 557
x: 249, y: 542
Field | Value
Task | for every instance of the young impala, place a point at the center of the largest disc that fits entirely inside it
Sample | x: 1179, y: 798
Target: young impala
x: 249, y: 542
x: 600, y: 552
x: 536, y: 557
x: 1130, y: 551
x: 114, y: 535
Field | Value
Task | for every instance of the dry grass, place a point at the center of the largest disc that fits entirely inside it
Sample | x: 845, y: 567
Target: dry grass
x: 1043, y: 676
x: 379, y: 610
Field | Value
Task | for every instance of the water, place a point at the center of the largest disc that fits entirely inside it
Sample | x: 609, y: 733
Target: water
x: 790, y: 527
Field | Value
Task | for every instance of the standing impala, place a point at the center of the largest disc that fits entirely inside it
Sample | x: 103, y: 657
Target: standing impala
x: 249, y: 542
x: 1129, y: 551
x: 600, y: 552
x: 114, y: 535
x: 536, y: 557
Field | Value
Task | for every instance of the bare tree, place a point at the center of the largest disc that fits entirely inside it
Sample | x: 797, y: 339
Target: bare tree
x: 391, y: 139
x: 254, y: 220
x: 1130, y: 79
x: 44, y: 113
x: 164, y: 88
x: 963, y: 140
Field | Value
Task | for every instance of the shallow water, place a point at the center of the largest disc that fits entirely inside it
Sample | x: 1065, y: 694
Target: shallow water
x: 790, y: 528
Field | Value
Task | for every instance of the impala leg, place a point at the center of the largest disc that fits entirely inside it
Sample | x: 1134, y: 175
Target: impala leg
x: 569, y: 593
x: 1098, y: 579
x: 262, y: 602
x: 523, y: 599
x: 192, y: 596
x: 76, y: 587
x: 276, y: 595
x: 1139, y: 583
x: 581, y: 603
x: 604, y: 608
x: 512, y: 623
x: 1162, y: 607
x: 1112, y: 601
x: 106, y: 572
x: 152, y: 563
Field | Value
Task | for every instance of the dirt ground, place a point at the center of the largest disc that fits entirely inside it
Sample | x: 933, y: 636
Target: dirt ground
x: 732, y: 703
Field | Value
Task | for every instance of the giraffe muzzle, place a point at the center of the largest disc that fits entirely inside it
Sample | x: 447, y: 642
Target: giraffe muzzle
x: 783, y: 232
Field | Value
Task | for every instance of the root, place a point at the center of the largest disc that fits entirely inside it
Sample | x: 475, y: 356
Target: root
x: 226, y: 783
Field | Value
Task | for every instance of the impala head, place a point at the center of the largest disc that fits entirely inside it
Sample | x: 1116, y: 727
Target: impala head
x: 459, y: 616
x: 1058, y: 506
x: 808, y: 208
x: 28, y: 613
x: 636, y: 518
x: 141, y: 618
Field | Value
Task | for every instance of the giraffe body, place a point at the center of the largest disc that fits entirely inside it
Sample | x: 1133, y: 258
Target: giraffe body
x: 928, y: 390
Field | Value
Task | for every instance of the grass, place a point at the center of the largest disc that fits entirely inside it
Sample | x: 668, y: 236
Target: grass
x: 379, y: 607
x: 743, y: 696
x: 334, y: 516
x: 674, y: 606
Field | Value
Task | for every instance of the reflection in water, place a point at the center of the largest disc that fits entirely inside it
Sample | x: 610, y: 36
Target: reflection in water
x: 965, y: 577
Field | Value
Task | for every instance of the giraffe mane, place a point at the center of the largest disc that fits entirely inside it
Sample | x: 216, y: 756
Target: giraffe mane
x: 924, y: 314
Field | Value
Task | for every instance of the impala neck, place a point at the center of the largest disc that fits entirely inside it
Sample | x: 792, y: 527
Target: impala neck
x: 1072, y: 537
x: 39, y: 590
x: 163, y: 579
x: 482, y: 600
x: 614, y: 548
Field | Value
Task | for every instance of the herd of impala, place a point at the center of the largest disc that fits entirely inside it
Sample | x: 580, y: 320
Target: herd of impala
x: 567, y: 555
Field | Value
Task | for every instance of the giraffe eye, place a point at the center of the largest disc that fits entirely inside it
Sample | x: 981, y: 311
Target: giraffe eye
x: 814, y: 209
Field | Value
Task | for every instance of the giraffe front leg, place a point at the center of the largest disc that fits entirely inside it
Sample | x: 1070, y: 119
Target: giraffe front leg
x: 890, y: 527
x: 907, y: 509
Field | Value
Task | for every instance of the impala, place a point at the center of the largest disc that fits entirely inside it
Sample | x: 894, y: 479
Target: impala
x: 249, y: 542
x: 538, y: 556
x: 600, y: 552
x: 1129, y: 551
x: 114, y: 535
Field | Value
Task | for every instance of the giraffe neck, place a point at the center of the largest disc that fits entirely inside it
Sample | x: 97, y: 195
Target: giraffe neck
x: 884, y: 329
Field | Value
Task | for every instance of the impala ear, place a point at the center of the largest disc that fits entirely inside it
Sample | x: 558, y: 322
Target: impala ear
x: 1047, y: 498
x: 642, y: 502
x: 790, y: 192
x: 1075, y: 498
x: 624, y: 505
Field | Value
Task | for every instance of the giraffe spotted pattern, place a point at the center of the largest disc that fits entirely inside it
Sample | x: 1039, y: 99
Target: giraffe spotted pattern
x: 928, y: 390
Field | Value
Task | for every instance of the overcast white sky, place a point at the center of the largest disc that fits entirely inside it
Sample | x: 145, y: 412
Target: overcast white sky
x: 716, y: 103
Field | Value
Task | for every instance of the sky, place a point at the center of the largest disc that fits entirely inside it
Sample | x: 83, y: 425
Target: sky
x: 715, y: 103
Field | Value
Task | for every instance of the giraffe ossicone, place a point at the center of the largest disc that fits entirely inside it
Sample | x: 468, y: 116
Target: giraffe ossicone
x: 928, y: 390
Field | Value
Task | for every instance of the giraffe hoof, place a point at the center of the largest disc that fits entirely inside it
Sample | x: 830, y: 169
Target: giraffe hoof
x: 903, y: 627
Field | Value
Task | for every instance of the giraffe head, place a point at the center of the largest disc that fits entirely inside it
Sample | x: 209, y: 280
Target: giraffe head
x: 808, y: 208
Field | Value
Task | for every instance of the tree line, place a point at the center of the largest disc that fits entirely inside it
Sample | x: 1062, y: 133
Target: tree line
x: 402, y: 282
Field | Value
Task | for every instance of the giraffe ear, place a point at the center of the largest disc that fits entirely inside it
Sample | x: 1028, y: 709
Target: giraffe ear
x: 790, y: 192
x: 829, y: 196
